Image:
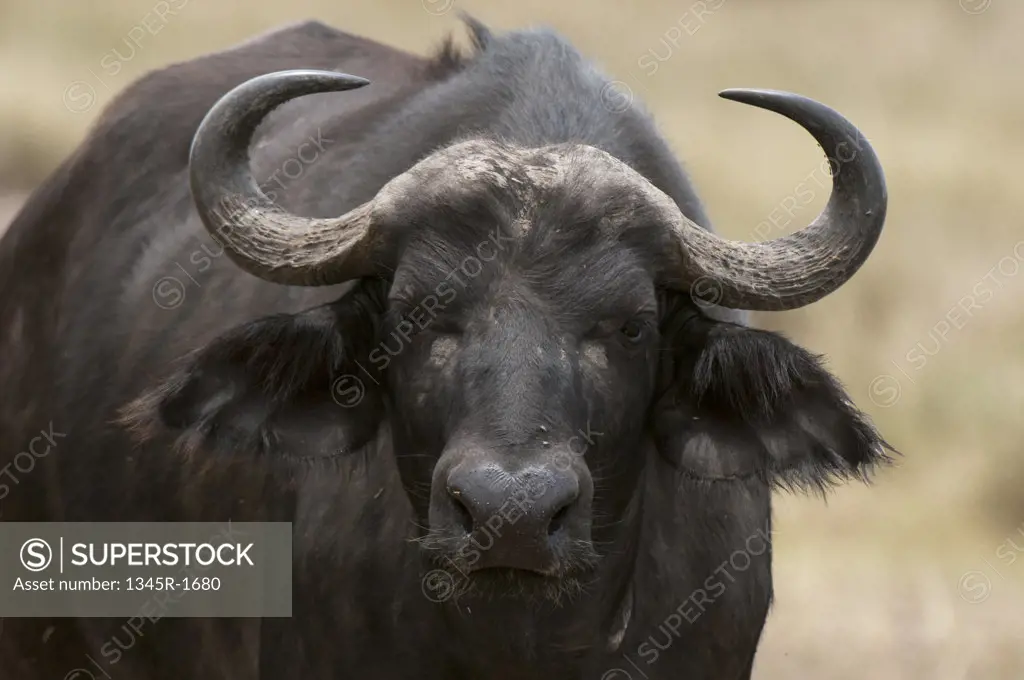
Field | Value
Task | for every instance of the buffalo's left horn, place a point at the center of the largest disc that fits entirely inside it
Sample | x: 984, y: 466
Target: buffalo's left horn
x: 795, y: 270
x: 260, y: 237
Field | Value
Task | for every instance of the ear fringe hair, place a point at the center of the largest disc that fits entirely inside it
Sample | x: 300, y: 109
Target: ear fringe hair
x: 277, y: 358
x: 787, y: 399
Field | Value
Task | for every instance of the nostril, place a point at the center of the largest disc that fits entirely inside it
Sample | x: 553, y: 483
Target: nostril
x: 559, y: 519
x: 462, y: 513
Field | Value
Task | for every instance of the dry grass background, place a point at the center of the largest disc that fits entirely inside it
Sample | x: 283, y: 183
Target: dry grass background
x: 878, y: 582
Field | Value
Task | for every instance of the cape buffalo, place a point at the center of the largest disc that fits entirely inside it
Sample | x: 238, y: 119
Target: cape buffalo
x: 473, y: 336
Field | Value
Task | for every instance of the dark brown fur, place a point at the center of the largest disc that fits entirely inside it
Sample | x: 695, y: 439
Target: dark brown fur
x: 229, y: 396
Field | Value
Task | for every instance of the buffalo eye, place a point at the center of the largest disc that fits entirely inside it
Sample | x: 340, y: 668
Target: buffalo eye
x: 633, y: 331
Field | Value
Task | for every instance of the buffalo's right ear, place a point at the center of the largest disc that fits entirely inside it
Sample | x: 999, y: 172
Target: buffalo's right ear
x: 288, y: 386
x: 740, y: 402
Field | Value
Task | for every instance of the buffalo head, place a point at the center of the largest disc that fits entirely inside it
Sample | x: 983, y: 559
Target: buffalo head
x: 546, y: 322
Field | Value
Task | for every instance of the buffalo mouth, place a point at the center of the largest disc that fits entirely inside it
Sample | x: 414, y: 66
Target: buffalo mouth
x: 459, y: 568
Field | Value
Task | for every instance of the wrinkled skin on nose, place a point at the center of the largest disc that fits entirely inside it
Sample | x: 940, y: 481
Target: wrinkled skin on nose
x: 524, y: 519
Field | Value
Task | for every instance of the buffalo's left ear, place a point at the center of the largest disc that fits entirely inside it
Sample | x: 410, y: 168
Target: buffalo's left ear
x: 740, y: 402
x: 288, y: 386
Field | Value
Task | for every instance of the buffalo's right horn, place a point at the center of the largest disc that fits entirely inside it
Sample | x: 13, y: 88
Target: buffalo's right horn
x: 260, y: 237
x: 803, y: 267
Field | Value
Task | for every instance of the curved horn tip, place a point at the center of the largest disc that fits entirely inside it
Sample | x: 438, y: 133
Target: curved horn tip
x: 246, y: 105
x: 742, y: 93
x: 774, y: 100
x: 828, y: 126
x: 345, y: 81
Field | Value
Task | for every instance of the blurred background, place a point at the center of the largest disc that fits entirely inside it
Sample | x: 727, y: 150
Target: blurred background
x: 920, y: 575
